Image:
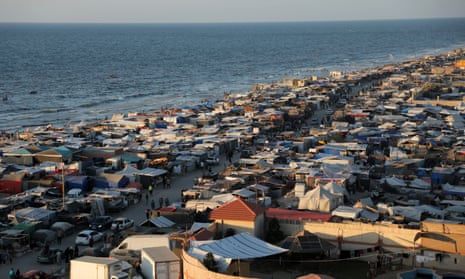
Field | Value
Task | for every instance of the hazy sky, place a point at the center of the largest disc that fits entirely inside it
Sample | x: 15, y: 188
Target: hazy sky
x: 145, y: 11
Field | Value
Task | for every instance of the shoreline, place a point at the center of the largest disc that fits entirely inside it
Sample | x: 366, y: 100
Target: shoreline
x: 67, y: 121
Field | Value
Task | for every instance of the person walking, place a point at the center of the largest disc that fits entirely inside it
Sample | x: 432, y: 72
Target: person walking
x: 150, y: 189
x: 160, y: 201
x: 91, y: 242
x: 146, y: 198
x: 76, y: 251
x: 167, y: 202
x: 147, y: 213
x: 66, y: 255
x: 58, y: 257
x: 12, y: 273
x: 152, y: 204
x: 59, y: 237
x: 71, y: 253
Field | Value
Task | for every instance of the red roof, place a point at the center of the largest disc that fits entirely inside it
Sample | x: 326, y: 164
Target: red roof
x: 237, y: 210
x: 202, y: 234
x: 286, y: 214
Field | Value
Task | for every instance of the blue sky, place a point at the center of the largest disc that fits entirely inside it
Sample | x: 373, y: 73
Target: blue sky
x: 169, y: 11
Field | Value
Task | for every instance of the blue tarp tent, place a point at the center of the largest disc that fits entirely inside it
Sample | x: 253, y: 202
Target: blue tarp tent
x: 32, y: 214
x: 442, y: 175
x: 111, y: 180
x: 333, y: 150
x: 161, y: 125
x: 322, y: 155
x: 79, y: 182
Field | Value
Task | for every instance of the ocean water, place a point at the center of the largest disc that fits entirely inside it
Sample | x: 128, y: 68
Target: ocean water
x: 61, y: 73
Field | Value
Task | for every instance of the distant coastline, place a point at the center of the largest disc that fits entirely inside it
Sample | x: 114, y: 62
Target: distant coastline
x: 140, y: 67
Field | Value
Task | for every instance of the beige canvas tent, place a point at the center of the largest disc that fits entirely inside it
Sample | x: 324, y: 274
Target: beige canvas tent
x: 319, y: 199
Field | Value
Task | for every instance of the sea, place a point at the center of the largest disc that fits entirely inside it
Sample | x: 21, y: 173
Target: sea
x: 61, y: 74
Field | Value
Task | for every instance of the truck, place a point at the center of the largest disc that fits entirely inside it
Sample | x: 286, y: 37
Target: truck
x: 130, y: 248
x: 98, y: 268
x: 160, y: 263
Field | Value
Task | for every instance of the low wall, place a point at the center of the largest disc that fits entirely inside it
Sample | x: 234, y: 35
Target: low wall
x: 194, y: 269
x: 355, y: 236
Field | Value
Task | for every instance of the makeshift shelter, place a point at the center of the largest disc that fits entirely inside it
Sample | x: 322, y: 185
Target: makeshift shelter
x: 335, y: 188
x: 441, y: 175
x: 448, y: 189
x: 319, y: 199
x: 57, y: 154
x: 347, y: 212
x: 130, y: 172
x: 394, y: 182
x: 111, y: 180
x: 20, y: 156
x: 159, y: 222
x: 308, y: 244
x: 242, y: 246
x: 11, y: 183
x: 420, y: 184
x: 32, y: 214
x: 79, y: 182
x: 149, y: 176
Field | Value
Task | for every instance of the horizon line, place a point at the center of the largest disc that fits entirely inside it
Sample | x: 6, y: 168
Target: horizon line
x: 228, y: 22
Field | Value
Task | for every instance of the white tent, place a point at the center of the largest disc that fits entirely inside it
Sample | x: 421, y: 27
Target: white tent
x: 394, y: 181
x: 319, y: 199
x: 347, y: 212
x: 335, y: 188
x: 130, y: 172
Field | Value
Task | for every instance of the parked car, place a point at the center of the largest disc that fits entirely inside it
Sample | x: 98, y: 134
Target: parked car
x: 83, y: 237
x: 36, y: 274
x: 122, y: 223
x: 49, y: 256
x: 101, y: 223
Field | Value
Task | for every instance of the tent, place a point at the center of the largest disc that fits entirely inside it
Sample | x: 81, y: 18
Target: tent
x: 241, y: 246
x: 347, y: 212
x: 394, y: 182
x: 79, y: 182
x: 159, y: 222
x: 111, y: 180
x: 335, y: 188
x: 449, y: 189
x: 420, y: 184
x: 130, y: 172
x: 308, y: 243
x: 319, y: 199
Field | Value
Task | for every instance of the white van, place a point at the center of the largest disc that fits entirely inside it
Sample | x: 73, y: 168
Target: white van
x: 130, y: 248
x: 74, y: 194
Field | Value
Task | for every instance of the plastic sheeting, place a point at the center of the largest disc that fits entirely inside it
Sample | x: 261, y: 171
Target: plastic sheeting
x: 239, y: 246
